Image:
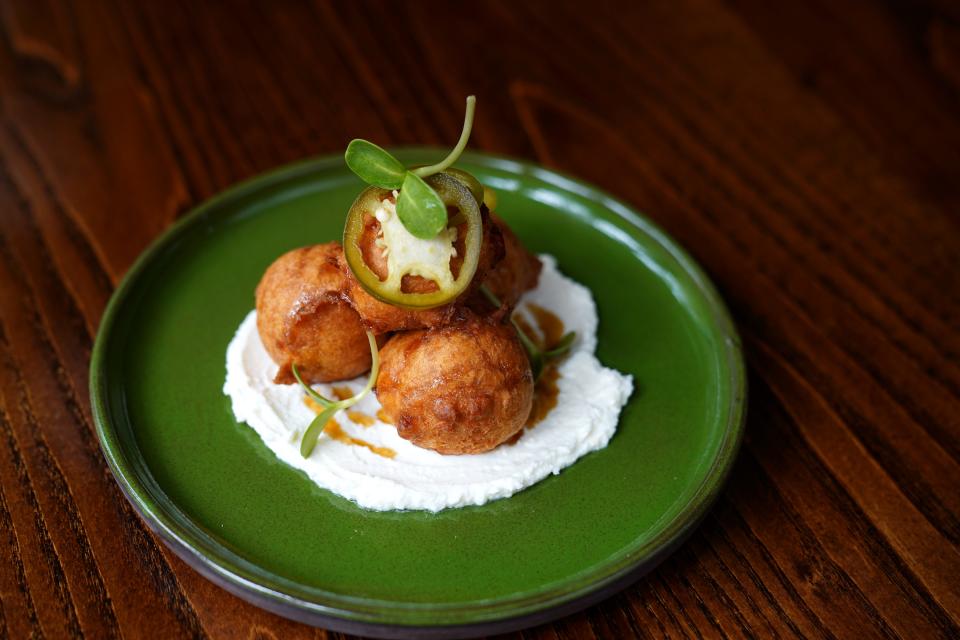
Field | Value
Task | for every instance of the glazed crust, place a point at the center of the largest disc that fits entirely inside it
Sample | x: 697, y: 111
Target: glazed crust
x: 462, y: 388
x: 303, y: 317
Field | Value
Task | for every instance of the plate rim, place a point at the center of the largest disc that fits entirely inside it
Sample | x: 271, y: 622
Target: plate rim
x: 389, y: 618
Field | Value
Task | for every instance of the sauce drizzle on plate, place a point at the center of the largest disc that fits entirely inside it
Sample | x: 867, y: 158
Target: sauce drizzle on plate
x: 547, y: 335
x: 359, y: 417
x: 342, y: 393
x: 335, y: 431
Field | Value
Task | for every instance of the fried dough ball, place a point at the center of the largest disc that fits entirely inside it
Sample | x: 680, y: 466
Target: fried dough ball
x: 517, y: 272
x: 462, y: 388
x: 303, y: 317
x: 382, y: 317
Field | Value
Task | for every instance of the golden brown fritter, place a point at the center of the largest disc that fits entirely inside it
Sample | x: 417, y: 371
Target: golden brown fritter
x: 462, y: 388
x: 517, y: 272
x: 382, y: 317
x: 304, y: 318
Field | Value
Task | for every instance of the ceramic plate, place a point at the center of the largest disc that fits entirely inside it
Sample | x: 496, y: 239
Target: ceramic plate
x: 262, y: 530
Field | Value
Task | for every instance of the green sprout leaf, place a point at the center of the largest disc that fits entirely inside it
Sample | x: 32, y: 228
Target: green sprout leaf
x: 374, y: 165
x: 562, y: 347
x: 420, y: 209
x: 534, y: 353
x: 330, y: 408
x: 316, y: 427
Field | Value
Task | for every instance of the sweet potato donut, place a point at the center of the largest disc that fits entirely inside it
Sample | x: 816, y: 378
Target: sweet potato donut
x: 304, y: 318
x: 465, y: 387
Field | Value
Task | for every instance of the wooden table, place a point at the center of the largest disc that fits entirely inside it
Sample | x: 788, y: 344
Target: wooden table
x: 807, y: 154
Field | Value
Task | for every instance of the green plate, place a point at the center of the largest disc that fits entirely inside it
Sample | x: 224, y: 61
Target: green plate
x: 262, y: 530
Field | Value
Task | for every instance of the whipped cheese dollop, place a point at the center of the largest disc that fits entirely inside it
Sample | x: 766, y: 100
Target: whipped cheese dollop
x: 584, y: 419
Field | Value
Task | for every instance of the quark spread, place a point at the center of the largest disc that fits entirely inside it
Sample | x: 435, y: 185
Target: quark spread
x: 386, y: 472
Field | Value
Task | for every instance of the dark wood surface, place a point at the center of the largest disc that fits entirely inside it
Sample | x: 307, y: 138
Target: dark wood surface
x: 806, y: 153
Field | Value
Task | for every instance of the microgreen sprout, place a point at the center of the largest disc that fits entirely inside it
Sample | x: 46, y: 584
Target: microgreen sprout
x: 538, y: 357
x: 330, y: 407
x: 452, y: 157
x: 419, y: 207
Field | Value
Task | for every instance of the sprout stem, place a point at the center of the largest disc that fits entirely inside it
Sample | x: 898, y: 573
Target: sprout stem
x: 429, y: 170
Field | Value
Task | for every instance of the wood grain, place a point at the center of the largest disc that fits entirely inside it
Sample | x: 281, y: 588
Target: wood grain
x: 807, y: 154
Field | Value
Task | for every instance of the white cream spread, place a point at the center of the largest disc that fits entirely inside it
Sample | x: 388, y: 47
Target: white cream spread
x: 584, y: 419
x: 408, y: 254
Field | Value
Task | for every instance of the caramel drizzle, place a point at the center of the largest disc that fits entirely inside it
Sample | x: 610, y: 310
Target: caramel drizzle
x: 360, y: 418
x: 547, y: 335
x: 335, y: 431
x: 342, y: 393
